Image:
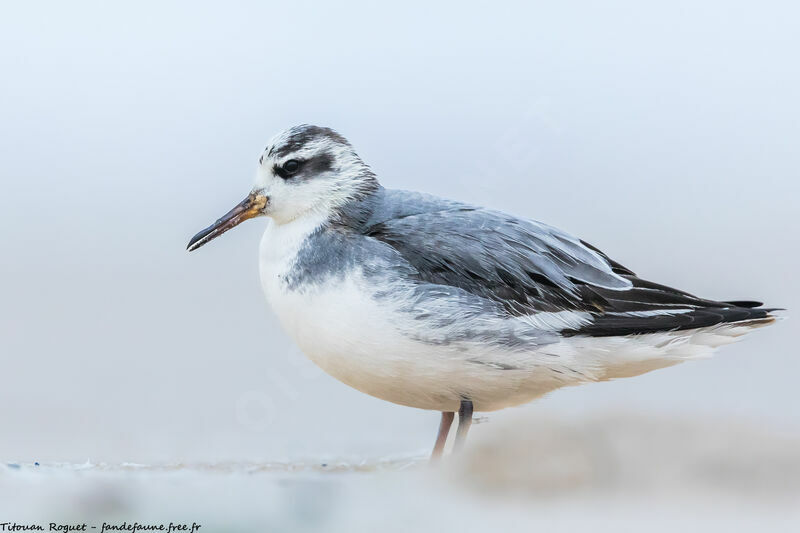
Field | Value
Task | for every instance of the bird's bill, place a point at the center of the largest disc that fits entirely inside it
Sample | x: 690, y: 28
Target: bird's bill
x: 248, y: 208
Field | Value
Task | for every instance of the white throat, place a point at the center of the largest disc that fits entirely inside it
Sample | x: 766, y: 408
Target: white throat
x: 280, y: 244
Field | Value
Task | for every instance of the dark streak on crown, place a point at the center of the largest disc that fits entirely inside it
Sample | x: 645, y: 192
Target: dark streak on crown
x: 302, y: 135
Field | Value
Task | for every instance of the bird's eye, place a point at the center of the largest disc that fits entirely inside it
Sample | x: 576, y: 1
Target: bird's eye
x: 291, y: 166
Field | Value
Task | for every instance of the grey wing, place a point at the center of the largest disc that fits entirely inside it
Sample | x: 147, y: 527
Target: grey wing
x: 529, y: 267
x: 525, y: 265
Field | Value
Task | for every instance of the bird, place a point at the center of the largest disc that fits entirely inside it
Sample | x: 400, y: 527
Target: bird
x: 446, y: 306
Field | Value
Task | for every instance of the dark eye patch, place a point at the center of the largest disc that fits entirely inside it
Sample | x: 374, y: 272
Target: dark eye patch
x: 309, y: 168
x: 319, y: 163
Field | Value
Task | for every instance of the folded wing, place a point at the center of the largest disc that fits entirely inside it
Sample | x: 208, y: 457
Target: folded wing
x: 530, y: 268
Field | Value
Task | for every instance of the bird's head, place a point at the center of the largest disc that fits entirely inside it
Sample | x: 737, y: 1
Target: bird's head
x: 304, y: 171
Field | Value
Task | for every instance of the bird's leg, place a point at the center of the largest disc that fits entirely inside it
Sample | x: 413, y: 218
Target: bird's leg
x: 464, y: 422
x: 444, y: 430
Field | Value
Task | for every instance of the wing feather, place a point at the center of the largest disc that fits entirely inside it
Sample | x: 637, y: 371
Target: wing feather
x: 529, y: 267
x: 525, y: 265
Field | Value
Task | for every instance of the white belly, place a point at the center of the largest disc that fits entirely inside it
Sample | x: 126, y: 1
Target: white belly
x: 349, y: 338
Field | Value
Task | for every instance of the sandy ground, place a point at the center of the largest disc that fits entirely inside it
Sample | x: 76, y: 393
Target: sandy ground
x: 608, y: 473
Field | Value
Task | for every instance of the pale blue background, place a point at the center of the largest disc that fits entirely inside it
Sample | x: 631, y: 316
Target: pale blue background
x: 665, y: 133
